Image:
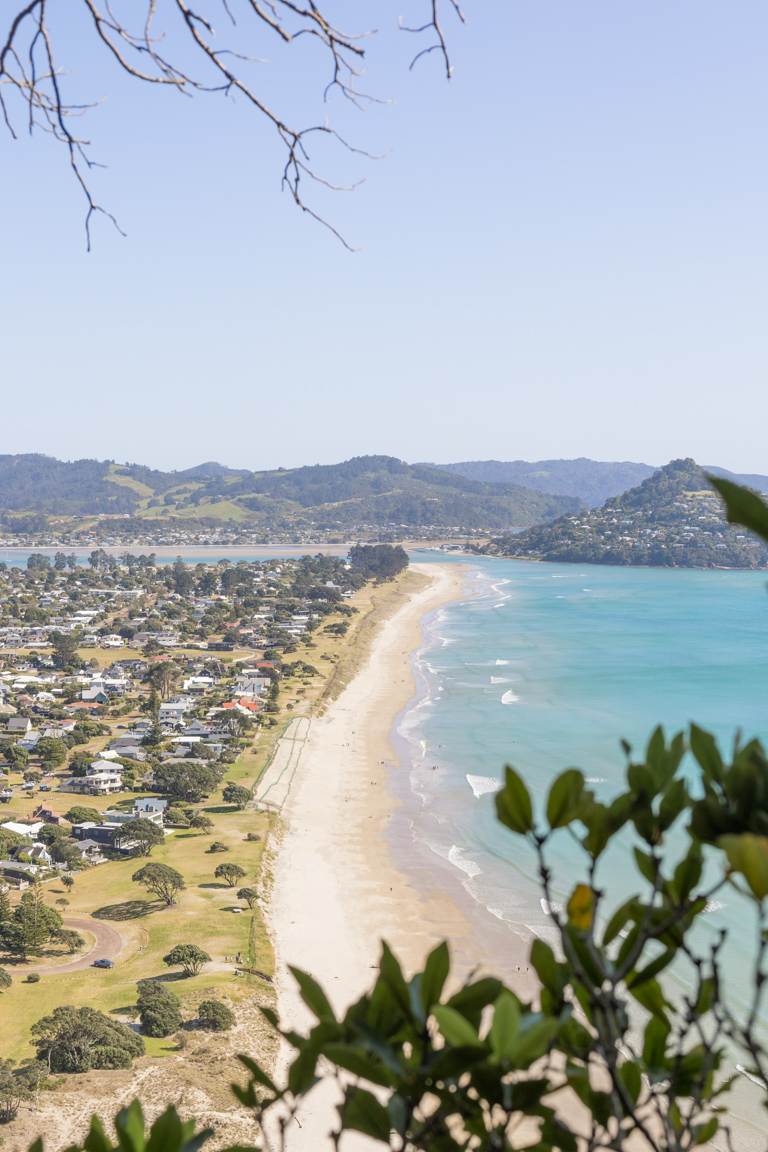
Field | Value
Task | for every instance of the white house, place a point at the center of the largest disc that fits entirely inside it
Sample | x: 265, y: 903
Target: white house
x: 102, y: 778
x: 30, y: 830
x: 172, y: 711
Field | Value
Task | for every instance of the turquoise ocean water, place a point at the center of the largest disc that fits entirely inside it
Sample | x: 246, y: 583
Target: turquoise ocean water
x: 547, y: 666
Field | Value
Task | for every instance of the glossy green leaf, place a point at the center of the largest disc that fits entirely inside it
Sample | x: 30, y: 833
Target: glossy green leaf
x: 455, y: 1028
x: 504, y: 1027
x: 705, y: 750
x: 647, y: 865
x: 474, y: 997
x: 565, y: 797
x: 301, y: 1074
x: 742, y: 506
x: 703, y: 1133
x: 543, y: 960
x: 647, y: 973
x: 129, y: 1125
x: 655, y: 1042
x: 619, y: 920
x: 362, y: 1112
x: 513, y: 803
x: 355, y: 1059
x: 650, y: 995
x: 631, y: 1078
x: 435, y: 975
x: 97, y: 1140
x: 534, y: 1037
x: 312, y: 994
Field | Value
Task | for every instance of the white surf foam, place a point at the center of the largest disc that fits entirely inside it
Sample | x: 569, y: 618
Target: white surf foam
x: 459, y: 859
x: 499, y: 680
x: 510, y: 697
x: 500, y: 662
x: 481, y: 785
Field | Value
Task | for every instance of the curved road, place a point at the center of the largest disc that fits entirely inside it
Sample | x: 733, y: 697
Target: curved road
x: 106, y: 946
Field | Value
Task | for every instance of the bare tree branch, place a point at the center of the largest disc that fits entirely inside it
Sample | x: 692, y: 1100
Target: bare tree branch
x: 193, y: 63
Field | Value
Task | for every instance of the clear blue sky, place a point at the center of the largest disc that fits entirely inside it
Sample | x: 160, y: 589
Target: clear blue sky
x: 564, y: 252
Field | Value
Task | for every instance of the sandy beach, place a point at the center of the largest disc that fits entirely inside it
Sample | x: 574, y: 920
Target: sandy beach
x: 337, y: 890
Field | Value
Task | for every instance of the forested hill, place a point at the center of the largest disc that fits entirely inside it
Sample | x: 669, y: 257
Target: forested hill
x: 591, y: 481
x: 375, y: 491
x: 35, y: 483
x: 672, y: 519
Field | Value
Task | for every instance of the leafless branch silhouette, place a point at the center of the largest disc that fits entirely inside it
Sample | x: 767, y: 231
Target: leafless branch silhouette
x: 171, y: 44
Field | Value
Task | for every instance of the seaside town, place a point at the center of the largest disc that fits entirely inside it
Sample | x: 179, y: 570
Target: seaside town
x: 139, y: 706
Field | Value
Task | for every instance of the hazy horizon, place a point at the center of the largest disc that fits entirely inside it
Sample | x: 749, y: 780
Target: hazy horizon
x: 161, y: 467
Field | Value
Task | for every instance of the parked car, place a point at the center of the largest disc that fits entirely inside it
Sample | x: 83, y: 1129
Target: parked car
x: 103, y: 964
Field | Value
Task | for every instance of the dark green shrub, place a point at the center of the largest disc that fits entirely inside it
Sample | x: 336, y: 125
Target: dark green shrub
x: 215, y: 1016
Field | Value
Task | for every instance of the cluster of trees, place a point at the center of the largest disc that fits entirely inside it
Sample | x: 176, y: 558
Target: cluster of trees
x: 160, y: 1011
x: 32, y: 482
x: 189, y: 783
x: 378, y: 561
x: 179, y: 816
x: 32, y: 925
x: 79, y: 1039
x: 19, y: 1083
x: 52, y: 751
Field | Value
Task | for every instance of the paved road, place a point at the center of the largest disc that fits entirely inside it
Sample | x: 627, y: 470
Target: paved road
x: 106, y: 946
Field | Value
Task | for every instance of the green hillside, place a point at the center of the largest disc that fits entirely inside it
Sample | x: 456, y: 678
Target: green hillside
x: 672, y: 519
x: 375, y: 492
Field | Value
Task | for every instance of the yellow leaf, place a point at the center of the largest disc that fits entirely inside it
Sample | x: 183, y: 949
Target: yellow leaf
x: 581, y: 907
x: 748, y: 854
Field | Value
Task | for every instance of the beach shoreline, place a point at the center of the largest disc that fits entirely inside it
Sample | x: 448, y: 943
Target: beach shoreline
x: 339, y: 888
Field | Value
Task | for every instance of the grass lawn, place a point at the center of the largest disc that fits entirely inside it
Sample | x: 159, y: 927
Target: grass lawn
x: 150, y: 930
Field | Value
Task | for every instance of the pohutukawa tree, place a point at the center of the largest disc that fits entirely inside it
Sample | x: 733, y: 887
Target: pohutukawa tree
x: 189, y: 957
x: 229, y: 873
x: 162, y: 880
x: 208, y: 47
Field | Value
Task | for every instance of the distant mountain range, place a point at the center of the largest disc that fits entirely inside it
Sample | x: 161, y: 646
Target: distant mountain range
x: 376, y: 492
x: 592, y: 481
x: 672, y: 519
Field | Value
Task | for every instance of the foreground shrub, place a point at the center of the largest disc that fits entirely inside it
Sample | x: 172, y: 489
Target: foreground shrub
x: 17, y: 1085
x: 159, y: 1009
x: 215, y: 1016
x: 78, y: 1039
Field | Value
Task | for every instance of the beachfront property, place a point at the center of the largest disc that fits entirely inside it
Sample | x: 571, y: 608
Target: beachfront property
x: 102, y: 778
